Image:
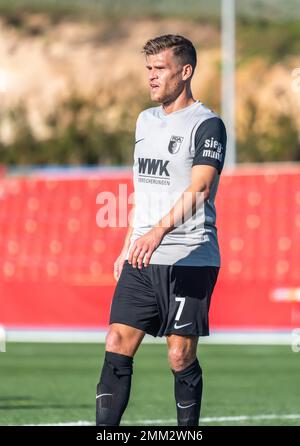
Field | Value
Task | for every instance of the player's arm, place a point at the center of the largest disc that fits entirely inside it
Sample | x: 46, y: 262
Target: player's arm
x: 129, y: 231
x: 118, y: 265
x: 185, y: 207
x: 210, y: 145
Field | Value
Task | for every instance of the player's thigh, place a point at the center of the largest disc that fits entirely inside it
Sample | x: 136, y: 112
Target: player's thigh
x: 123, y: 339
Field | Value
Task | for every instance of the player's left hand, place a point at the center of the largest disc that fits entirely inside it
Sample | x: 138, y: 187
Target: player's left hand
x: 143, y: 248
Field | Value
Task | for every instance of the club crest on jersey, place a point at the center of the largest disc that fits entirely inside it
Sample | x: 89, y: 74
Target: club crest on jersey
x: 174, y: 144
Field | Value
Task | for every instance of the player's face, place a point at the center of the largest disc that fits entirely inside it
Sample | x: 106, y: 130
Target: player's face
x: 165, y: 76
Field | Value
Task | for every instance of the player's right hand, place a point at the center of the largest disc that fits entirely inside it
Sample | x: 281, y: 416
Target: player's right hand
x: 118, y: 265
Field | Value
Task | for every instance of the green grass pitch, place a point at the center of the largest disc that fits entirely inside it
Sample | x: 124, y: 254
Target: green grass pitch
x: 55, y: 383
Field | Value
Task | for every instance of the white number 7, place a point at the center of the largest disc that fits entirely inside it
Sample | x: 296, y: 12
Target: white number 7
x: 181, y: 305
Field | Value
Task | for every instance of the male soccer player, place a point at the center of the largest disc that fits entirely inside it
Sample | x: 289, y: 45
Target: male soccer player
x: 169, y: 264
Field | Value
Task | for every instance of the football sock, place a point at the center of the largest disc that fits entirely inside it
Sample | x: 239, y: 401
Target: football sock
x: 113, y: 389
x: 188, y: 393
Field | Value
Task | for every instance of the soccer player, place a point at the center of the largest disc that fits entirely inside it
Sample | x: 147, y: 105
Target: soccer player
x: 168, y: 267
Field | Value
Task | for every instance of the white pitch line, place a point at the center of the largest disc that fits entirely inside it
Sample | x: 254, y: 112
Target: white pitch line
x: 173, y: 420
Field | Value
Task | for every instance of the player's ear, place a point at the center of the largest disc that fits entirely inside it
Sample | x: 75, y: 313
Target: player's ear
x: 187, y: 72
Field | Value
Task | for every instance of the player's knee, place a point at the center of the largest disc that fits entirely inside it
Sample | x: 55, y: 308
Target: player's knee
x: 180, y: 358
x: 114, y: 341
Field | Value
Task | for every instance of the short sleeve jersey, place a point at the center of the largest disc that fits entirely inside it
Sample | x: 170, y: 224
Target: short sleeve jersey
x: 167, y: 146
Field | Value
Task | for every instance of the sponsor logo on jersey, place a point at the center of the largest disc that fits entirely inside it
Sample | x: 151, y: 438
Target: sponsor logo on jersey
x: 150, y: 166
x: 213, y: 149
x: 174, y: 144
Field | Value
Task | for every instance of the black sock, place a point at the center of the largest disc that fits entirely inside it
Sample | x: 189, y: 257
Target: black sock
x: 188, y: 394
x: 113, y: 389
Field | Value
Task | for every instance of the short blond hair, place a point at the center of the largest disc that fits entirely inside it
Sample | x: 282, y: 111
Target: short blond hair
x: 183, y: 49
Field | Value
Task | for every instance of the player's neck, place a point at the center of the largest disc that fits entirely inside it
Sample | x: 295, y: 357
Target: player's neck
x: 179, y: 103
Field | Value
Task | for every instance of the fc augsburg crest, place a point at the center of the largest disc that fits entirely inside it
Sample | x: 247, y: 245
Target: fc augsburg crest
x: 174, y: 144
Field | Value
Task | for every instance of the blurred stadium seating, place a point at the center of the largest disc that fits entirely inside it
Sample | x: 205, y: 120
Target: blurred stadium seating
x: 56, y: 264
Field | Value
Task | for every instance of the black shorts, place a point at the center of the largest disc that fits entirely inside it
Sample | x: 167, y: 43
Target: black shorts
x: 164, y: 299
